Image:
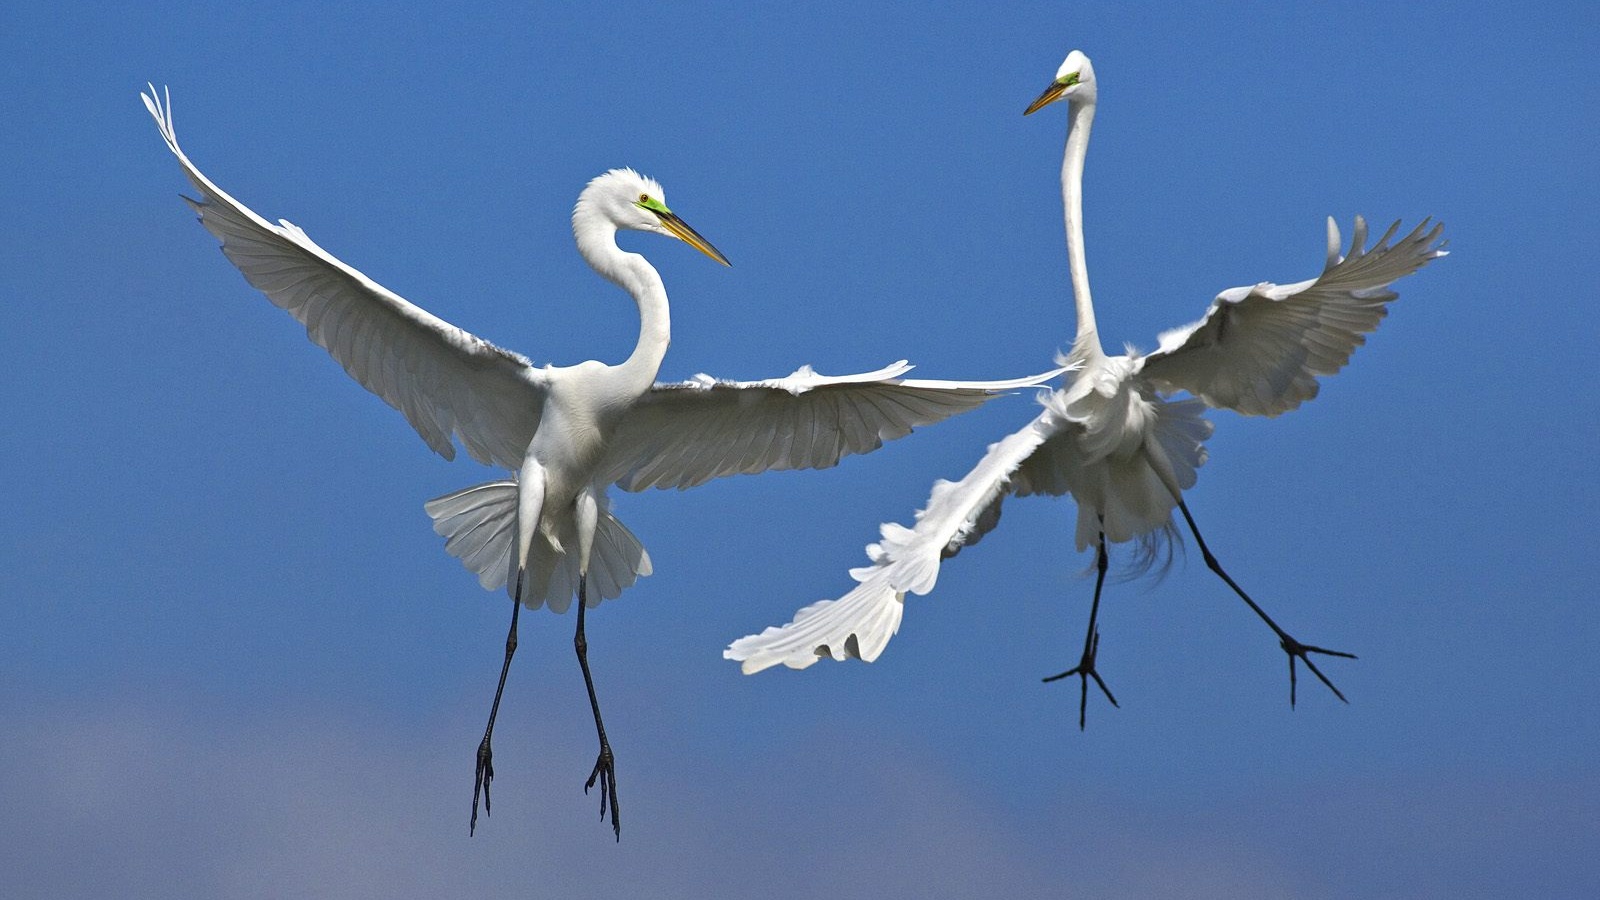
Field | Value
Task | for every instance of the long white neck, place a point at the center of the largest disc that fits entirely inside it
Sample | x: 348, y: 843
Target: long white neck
x: 597, y: 242
x: 1081, y: 118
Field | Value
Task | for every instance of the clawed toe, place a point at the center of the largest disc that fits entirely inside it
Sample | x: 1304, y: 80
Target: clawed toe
x: 481, y: 781
x: 1297, y: 650
x: 1085, y: 670
x: 605, y: 773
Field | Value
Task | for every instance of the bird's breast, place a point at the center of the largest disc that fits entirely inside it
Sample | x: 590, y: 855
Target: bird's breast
x: 582, y: 409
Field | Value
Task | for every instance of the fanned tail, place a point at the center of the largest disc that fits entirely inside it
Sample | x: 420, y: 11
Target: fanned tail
x: 479, y: 525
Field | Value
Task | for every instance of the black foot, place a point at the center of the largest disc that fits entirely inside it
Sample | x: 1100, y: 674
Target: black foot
x: 1295, y: 649
x: 481, y: 782
x: 605, y: 771
x: 1085, y: 671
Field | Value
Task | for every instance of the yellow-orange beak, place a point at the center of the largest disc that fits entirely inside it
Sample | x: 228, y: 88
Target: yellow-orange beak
x: 681, y: 230
x: 1051, y: 94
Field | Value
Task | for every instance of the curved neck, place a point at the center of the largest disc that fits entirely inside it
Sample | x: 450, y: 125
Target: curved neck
x: 1081, y: 118
x: 597, y: 242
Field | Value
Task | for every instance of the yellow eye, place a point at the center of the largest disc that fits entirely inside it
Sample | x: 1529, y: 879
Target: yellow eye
x: 644, y: 198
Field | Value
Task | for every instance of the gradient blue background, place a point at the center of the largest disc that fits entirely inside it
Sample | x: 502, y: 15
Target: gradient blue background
x: 235, y: 662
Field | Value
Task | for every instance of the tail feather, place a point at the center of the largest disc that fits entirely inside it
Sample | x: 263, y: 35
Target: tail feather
x: 618, y: 559
x: 479, y: 525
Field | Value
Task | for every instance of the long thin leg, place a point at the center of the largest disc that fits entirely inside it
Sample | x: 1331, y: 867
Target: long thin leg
x: 605, y: 770
x: 1091, y: 642
x: 485, y: 755
x: 1294, y: 648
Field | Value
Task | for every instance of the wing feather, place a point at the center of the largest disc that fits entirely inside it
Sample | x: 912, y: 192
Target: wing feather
x: 859, y: 624
x: 856, y: 626
x: 446, y: 382
x: 685, y: 434
x: 1259, y: 350
x: 958, y: 513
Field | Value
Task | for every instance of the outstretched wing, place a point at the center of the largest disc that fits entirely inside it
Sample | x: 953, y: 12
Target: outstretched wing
x: 859, y: 624
x: 685, y: 434
x: 855, y: 626
x: 958, y: 512
x: 1259, y: 349
x: 445, y: 381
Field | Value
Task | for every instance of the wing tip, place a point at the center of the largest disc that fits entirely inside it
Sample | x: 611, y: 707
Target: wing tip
x: 855, y: 626
x: 159, y: 105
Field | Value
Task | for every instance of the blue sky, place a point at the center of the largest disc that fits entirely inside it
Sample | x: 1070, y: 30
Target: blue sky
x: 235, y: 662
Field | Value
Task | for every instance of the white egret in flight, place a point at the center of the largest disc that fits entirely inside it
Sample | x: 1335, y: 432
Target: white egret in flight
x: 566, y: 432
x: 1111, y: 438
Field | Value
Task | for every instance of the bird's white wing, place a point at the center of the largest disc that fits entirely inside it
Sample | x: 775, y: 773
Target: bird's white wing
x: 1259, y: 350
x: 958, y: 513
x: 685, y: 434
x: 859, y: 624
x: 855, y: 626
x: 443, y: 379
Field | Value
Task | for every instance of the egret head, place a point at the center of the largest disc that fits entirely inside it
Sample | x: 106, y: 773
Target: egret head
x: 1074, y: 81
x: 625, y: 199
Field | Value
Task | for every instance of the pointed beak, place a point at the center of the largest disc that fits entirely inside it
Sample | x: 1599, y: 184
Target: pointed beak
x: 1051, y: 94
x: 681, y: 230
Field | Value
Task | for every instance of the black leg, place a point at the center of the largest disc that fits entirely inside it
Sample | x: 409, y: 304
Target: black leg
x: 485, y: 768
x: 1294, y: 648
x: 1091, y: 643
x: 605, y: 770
